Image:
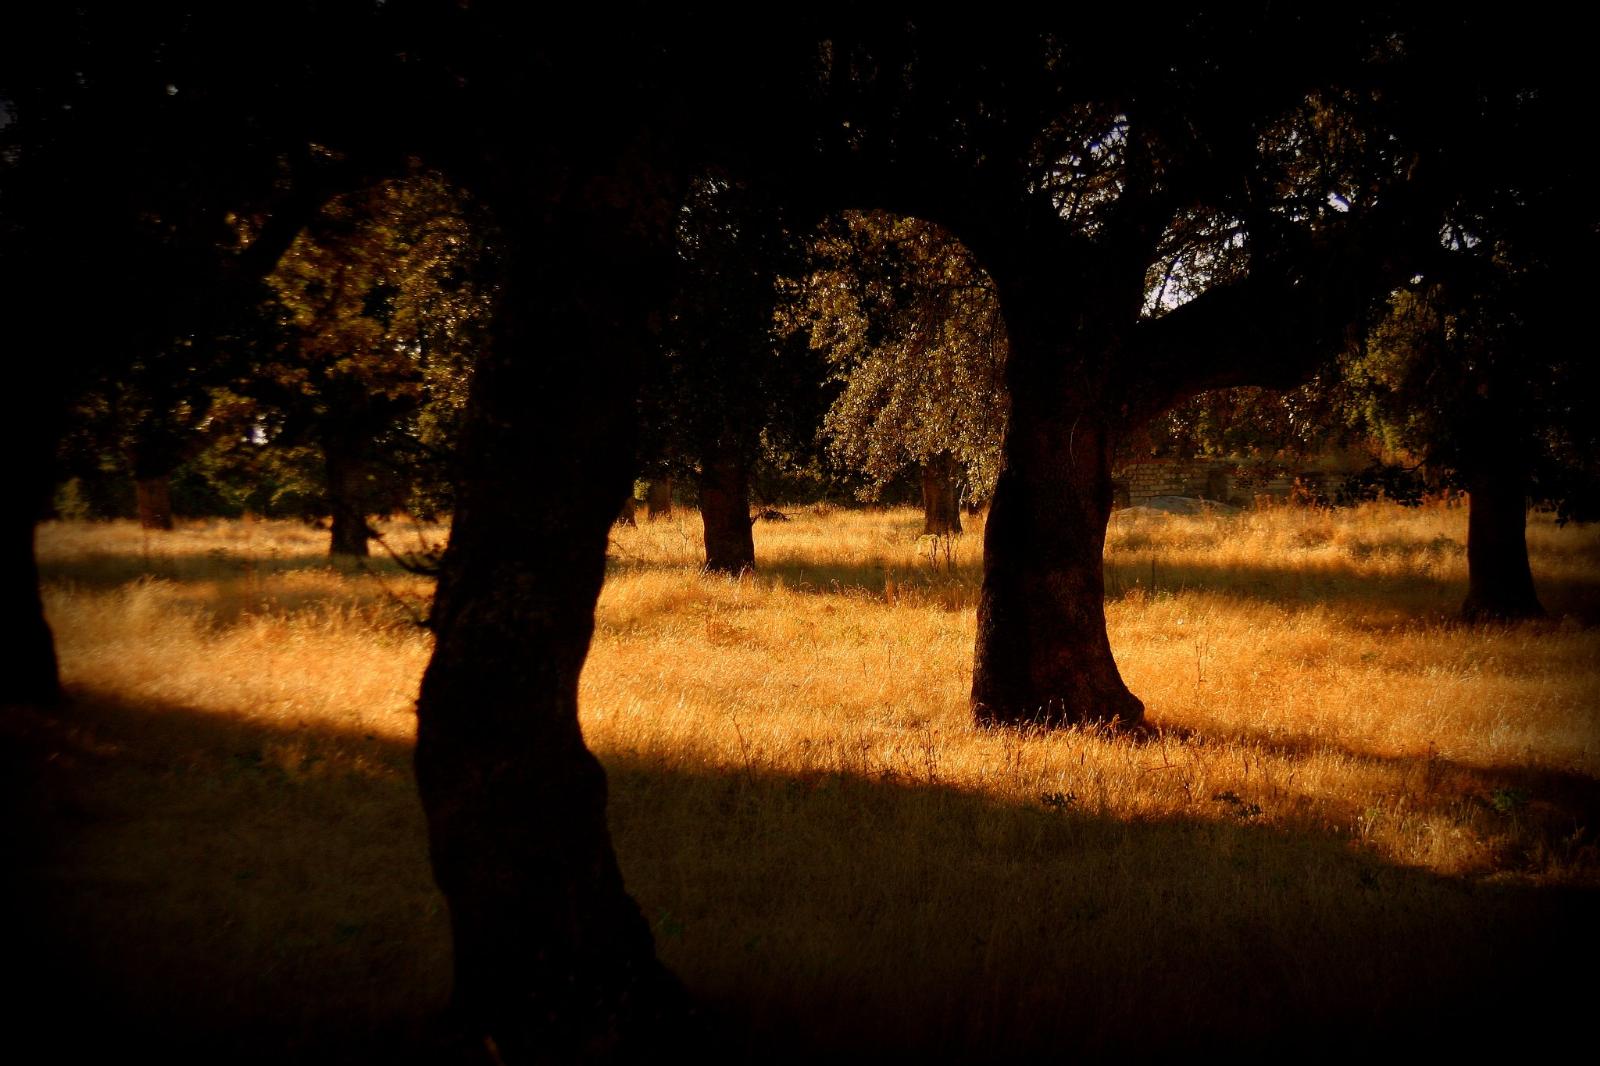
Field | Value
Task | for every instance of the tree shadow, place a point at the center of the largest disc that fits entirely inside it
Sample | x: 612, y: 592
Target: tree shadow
x: 206, y: 887
x: 1368, y: 599
x: 1534, y: 813
x: 1063, y: 932
x: 1417, y: 593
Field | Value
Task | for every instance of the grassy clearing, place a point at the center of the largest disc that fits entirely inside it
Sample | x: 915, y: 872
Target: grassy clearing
x: 1358, y: 820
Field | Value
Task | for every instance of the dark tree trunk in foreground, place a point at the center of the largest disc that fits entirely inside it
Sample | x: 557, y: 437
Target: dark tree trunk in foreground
x: 725, y: 510
x: 1043, y: 656
x: 347, y: 515
x: 941, y: 503
x: 154, y: 499
x: 553, y: 960
x: 30, y: 674
x: 1499, y: 580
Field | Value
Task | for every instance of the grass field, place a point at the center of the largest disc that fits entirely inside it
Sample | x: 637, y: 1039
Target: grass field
x: 1357, y: 825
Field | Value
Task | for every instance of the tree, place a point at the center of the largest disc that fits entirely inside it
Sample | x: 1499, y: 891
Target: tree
x: 379, y: 307
x: 1078, y: 175
x: 1476, y: 365
x: 719, y: 382
x: 912, y: 330
x: 1480, y: 383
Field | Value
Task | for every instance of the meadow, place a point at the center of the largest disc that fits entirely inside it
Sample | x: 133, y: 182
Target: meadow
x: 1355, y: 823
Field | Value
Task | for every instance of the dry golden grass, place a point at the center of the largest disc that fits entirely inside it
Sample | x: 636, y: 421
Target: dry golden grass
x: 1356, y: 817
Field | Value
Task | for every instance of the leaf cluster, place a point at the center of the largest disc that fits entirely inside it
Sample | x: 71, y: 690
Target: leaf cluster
x: 911, y: 330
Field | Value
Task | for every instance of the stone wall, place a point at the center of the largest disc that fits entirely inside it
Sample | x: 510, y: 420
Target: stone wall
x: 1233, y: 481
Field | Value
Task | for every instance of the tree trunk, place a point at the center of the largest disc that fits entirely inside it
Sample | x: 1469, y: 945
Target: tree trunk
x: 154, y: 496
x: 1499, y: 580
x: 30, y: 674
x: 1043, y: 656
x: 658, y: 499
x: 553, y: 961
x: 346, y: 499
x: 941, y: 510
x: 725, y: 510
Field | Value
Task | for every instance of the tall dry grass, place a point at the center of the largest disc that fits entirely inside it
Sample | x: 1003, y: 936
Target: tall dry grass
x: 1355, y: 819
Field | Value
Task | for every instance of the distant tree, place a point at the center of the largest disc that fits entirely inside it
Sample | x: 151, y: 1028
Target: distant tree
x: 142, y: 421
x: 1486, y: 382
x: 378, y: 310
x: 912, y: 331
x: 725, y: 397
x: 1481, y: 364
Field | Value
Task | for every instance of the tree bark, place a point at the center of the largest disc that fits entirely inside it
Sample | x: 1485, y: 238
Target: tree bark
x: 1499, y: 579
x: 154, y: 498
x: 725, y: 511
x: 30, y: 674
x: 1043, y: 656
x: 349, y: 532
x: 553, y: 961
x: 941, y: 510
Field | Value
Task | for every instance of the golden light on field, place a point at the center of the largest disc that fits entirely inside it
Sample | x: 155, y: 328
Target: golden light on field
x: 1344, y: 787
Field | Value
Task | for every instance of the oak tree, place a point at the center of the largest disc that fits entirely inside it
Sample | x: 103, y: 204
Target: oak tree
x: 912, y: 332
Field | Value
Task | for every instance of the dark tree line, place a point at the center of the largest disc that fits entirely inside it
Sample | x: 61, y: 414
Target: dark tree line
x: 1294, y: 164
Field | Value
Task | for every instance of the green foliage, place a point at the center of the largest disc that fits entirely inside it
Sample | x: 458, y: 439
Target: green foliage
x: 1256, y: 422
x: 69, y: 502
x: 377, y: 311
x: 1477, y: 367
x: 1383, y: 481
x: 724, y: 384
x: 912, y: 332
x: 1484, y: 361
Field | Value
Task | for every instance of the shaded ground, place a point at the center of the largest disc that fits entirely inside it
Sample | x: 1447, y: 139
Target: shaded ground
x: 209, y: 891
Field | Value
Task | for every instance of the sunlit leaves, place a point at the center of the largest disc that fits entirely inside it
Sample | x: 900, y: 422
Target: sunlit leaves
x: 1199, y: 249
x: 378, y: 309
x: 912, y: 330
x: 379, y: 293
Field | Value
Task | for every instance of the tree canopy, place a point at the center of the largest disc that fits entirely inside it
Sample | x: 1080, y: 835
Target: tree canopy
x: 911, y: 329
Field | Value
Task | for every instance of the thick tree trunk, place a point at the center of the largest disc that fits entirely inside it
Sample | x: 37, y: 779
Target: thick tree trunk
x: 1043, y: 656
x: 658, y: 499
x: 553, y: 960
x: 347, y: 514
x: 725, y: 511
x: 154, y: 499
x: 1499, y: 580
x: 941, y: 510
x: 30, y: 674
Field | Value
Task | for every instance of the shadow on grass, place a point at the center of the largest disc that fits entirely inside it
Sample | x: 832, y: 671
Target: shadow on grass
x: 208, y: 888
x: 1417, y: 595
x: 1537, y: 816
